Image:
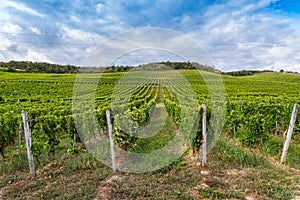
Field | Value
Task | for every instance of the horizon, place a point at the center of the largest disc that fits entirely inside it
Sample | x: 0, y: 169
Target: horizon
x: 145, y: 64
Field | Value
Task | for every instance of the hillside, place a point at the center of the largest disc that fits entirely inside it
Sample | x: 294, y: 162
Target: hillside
x: 244, y: 164
x: 36, y: 67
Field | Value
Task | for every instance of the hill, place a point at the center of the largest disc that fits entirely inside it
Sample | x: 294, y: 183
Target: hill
x: 36, y: 67
x: 242, y: 165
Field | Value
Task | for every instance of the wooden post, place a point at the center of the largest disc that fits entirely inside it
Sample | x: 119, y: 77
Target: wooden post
x: 41, y: 160
x: 234, y: 131
x: 277, y: 127
x: 204, y: 135
x: 19, y: 145
x: 20, y: 139
x: 74, y: 138
x: 241, y: 104
x: 28, y: 141
x: 289, y: 134
x: 111, y: 141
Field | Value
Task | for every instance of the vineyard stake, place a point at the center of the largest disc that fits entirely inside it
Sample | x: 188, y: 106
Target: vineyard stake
x: 204, y: 134
x: 289, y: 134
x: 20, y: 140
x: 28, y: 140
x: 74, y: 138
x: 241, y: 104
x: 111, y: 140
x: 19, y: 145
x: 234, y: 131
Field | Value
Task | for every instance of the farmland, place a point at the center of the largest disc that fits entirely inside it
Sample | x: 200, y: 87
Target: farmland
x: 249, y: 139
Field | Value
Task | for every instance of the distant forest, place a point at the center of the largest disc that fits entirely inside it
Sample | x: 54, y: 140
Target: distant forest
x: 37, y: 67
x: 43, y: 67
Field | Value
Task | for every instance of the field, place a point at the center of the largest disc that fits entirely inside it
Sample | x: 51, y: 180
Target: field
x: 244, y: 163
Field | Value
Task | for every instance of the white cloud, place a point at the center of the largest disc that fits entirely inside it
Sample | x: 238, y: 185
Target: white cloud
x: 100, y: 7
x: 78, y: 34
x: 237, y: 34
x: 20, y: 7
x: 254, y: 6
x: 11, y: 28
x: 75, y: 19
x: 35, y: 30
x: 5, y: 44
x: 247, y: 38
x: 38, y: 57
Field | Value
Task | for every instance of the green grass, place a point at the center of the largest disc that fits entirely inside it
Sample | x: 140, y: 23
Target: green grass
x: 160, y: 139
x: 231, y: 172
x: 273, y: 147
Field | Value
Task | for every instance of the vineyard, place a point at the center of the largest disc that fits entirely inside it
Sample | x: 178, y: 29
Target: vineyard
x: 258, y: 110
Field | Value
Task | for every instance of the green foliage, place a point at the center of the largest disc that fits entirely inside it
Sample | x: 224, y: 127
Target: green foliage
x: 36, y: 67
x: 246, y: 72
x: 13, y: 163
x: 10, y: 69
x: 73, y: 150
x: 255, y: 120
x: 46, y: 135
x: 253, y: 131
x: 254, y: 105
x: 2, y: 100
x: 266, y: 98
x: 9, y: 124
x: 235, y: 155
x: 86, y: 161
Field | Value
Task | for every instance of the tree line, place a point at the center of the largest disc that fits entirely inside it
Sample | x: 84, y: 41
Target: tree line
x: 44, y: 67
x: 37, y: 67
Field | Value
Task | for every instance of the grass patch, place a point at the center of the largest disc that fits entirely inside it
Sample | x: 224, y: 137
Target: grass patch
x: 159, y: 140
x: 232, y: 173
x: 229, y: 153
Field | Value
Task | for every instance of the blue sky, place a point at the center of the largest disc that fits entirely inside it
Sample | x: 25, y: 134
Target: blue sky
x: 236, y: 34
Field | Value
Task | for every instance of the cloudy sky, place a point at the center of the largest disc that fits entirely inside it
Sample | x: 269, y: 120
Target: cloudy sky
x: 236, y: 34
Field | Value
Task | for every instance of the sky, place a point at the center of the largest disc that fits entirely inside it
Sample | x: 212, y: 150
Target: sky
x: 235, y: 34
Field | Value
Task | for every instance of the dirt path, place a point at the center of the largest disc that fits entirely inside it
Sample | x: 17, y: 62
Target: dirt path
x: 297, y: 197
x: 1, y: 193
x: 104, y: 190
